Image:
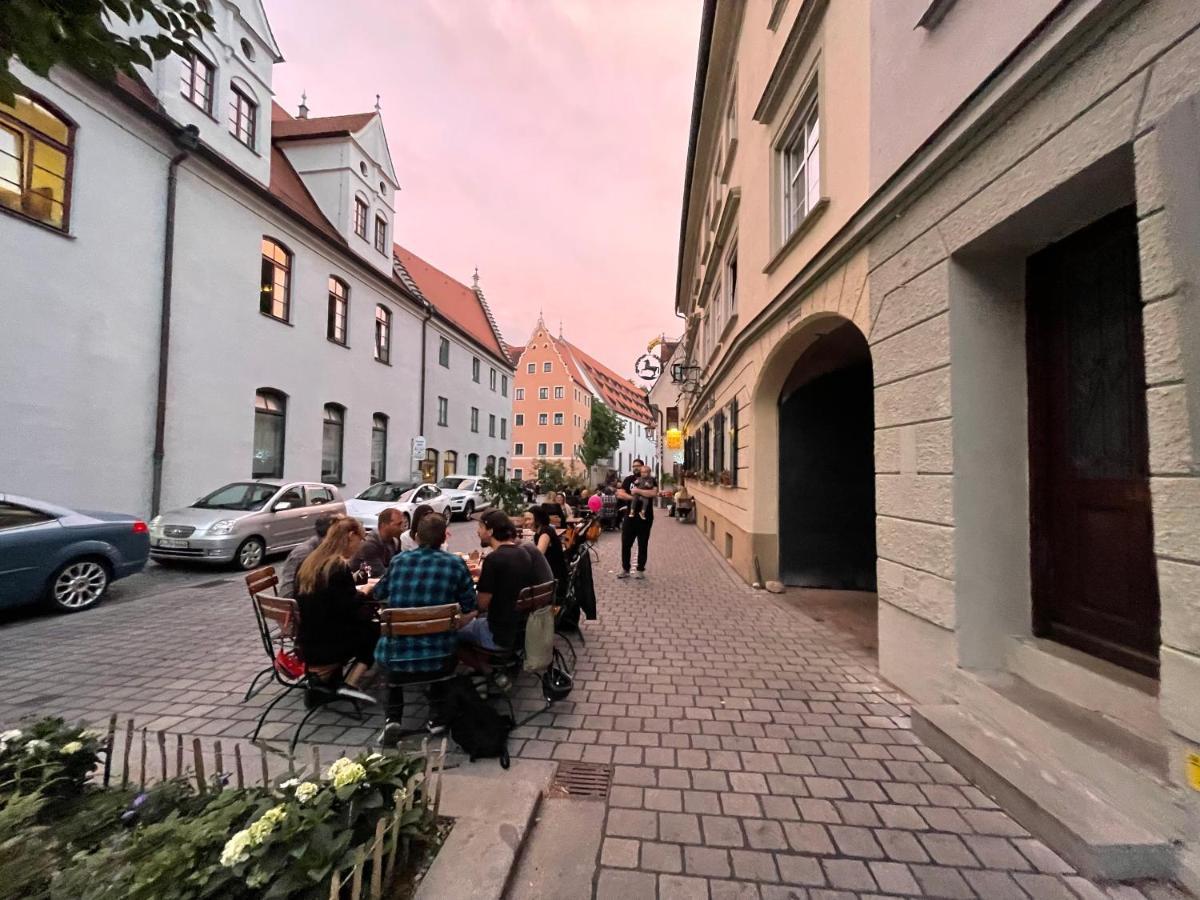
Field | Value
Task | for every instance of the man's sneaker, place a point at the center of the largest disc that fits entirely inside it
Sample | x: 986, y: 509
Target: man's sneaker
x: 345, y: 692
x: 622, y: 574
x: 391, y: 734
x: 435, y: 728
x: 639, y: 574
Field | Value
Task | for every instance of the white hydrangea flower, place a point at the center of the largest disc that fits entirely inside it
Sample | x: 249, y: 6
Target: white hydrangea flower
x: 11, y: 735
x: 36, y: 746
x: 374, y: 757
x: 237, y: 849
x: 72, y: 747
x: 266, y: 823
x: 306, y: 791
x: 348, y: 775
x: 290, y: 783
x: 91, y: 734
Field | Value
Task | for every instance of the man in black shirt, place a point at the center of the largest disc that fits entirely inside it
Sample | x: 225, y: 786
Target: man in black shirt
x: 641, y: 483
x: 506, y: 571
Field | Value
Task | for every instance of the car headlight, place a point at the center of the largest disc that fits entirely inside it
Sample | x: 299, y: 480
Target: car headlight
x: 156, y: 521
x: 225, y: 526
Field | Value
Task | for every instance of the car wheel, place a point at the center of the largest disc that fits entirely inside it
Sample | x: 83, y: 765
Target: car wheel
x: 250, y: 554
x: 468, y: 510
x: 78, y: 585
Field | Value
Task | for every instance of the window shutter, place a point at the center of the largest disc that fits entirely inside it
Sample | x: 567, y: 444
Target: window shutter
x: 733, y: 440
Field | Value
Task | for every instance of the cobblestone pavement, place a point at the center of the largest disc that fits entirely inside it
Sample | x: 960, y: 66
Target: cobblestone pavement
x: 755, y: 751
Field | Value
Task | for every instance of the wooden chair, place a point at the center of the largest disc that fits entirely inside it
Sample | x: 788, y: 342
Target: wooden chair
x: 279, y: 646
x: 507, y: 661
x: 416, y: 622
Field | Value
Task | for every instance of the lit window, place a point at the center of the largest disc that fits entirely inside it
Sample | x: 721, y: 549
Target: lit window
x: 450, y: 463
x: 35, y: 161
x: 360, y: 217
x: 383, y: 334
x: 379, y: 428
x: 196, y: 81
x: 800, y: 168
x: 270, y: 421
x: 275, y: 291
x: 331, y: 443
x: 243, y: 118
x: 381, y: 234
x: 339, y: 300
x: 443, y: 411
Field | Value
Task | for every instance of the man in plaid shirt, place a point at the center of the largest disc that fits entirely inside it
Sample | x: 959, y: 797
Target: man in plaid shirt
x: 426, y: 576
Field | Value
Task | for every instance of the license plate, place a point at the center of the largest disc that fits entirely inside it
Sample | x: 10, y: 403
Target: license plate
x: 169, y: 544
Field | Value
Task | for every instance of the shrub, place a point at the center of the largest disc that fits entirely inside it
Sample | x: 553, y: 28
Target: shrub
x: 47, y: 757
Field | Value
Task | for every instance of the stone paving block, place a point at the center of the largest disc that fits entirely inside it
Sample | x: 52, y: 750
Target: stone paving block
x: 701, y: 802
x: 733, y: 890
x: 632, y: 823
x: 998, y: 885
x: 680, y: 828
x: 893, y: 878
x: 710, y: 862
x: 619, y: 852
x: 941, y: 882
x: 1043, y: 887
x: 722, y: 831
x: 661, y: 857
x: 678, y: 887
x: 1043, y: 858
x: 745, y: 805
x: 748, y: 782
x: 997, y: 853
x: 947, y: 849
x: 901, y: 845
x: 764, y: 834
x: 809, y: 837
x: 753, y: 865
x: 855, y: 841
x: 620, y: 884
x: 848, y: 874
x: 800, y: 870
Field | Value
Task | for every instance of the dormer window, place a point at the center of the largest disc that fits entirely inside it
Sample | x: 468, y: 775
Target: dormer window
x: 196, y: 81
x: 243, y: 117
x: 360, y: 217
x: 362, y: 167
x: 381, y: 234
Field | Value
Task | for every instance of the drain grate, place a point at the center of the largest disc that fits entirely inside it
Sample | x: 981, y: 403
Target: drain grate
x: 581, y: 780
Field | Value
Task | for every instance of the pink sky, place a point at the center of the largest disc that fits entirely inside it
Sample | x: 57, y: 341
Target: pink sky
x: 541, y: 140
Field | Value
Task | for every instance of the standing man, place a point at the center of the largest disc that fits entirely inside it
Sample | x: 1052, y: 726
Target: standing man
x: 641, y: 483
x: 381, y: 544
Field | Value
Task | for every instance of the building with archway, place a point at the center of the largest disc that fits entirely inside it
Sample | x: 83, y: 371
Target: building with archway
x: 939, y: 264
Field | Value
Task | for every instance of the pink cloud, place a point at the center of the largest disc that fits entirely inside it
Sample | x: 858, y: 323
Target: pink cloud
x: 541, y: 140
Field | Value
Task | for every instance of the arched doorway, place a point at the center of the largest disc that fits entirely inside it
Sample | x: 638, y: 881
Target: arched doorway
x: 827, y: 464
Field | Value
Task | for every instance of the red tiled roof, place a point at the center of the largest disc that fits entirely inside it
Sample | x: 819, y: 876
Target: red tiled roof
x: 619, y: 394
x: 452, y: 299
x: 291, y: 129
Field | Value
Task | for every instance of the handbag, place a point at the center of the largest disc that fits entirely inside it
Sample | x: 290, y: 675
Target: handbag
x: 539, y: 639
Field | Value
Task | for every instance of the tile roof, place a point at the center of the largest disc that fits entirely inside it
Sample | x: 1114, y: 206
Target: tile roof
x: 619, y: 394
x: 291, y: 129
x: 453, y: 299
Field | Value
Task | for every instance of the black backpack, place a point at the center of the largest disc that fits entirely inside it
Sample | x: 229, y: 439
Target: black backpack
x: 476, y: 727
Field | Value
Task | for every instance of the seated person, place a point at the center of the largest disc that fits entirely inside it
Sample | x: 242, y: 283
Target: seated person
x: 542, y: 572
x: 506, y: 571
x: 426, y: 576
x: 549, y: 543
x: 291, y: 565
x: 381, y: 544
x: 333, y: 627
x: 408, y: 540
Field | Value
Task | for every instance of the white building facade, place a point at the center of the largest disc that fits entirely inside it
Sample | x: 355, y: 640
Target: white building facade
x: 187, y: 312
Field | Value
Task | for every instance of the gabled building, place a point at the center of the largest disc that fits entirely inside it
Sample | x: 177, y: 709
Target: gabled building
x: 556, y: 386
x: 212, y: 291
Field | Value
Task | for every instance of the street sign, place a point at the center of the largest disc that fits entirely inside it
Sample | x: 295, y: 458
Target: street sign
x: 418, y: 448
x: 647, y: 367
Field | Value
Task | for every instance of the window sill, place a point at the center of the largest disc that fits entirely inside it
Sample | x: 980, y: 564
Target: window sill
x: 793, y: 239
x: 276, y: 319
x: 382, y: 362
x: 337, y: 343
x: 17, y: 214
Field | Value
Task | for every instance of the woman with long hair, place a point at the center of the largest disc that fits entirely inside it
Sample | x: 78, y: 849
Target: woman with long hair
x: 333, y: 627
x: 408, y: 540
x: 546, y: 538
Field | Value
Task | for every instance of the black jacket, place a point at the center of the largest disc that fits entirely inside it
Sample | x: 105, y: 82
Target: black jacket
x: 376, y: 553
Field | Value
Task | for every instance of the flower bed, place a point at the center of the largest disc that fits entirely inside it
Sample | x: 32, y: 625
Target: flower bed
x: 64, y: 836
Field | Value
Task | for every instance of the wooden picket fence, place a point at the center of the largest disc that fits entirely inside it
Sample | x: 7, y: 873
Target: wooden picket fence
x: 140, y: 757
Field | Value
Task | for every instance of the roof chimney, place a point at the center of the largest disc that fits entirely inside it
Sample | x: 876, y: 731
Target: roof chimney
x: 303, y: 111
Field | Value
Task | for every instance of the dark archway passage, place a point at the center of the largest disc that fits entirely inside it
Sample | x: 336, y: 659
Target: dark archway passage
x: 827, y: 466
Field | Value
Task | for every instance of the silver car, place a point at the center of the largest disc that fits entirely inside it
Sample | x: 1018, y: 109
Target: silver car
x: 243, y: 522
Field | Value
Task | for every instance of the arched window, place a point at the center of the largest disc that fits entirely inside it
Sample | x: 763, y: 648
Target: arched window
x: 339, y: 308
x: 490, y: 469
x: 35, y: 161
x: 450, y: 463
x: 383, y: 334
x: 332, y: 434
x: 502, y: 467
x: 429, y: 466
x: 270, y: 425
x: 274, y: 298
x: 472, y: 463
x: 379, y: 427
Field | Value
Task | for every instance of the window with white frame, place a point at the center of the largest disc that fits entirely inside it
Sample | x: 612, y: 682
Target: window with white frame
x: 243, y: 116
x: 543, y: 393
x: 559, y: 393
x: 547, y: 367
x: 541, y: 450
x: 800, y: 167
x: 492, y: 379
x: 558, y: 418
x: 519, y: 449
x: 520, y: 393
x: 196, y: 81
x: 543, y: 419
x: 558, y: 449
x: 519, y: 419
x: 360, y: 217
x: 531, y: 368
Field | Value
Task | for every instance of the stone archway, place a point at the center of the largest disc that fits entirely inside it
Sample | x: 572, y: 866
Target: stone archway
x: 826, y: 464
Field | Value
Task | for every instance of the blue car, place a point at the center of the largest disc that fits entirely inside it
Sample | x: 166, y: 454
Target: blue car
x: 63, y: 557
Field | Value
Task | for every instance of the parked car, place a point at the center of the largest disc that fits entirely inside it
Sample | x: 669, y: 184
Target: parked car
x: 64, y: 557
x: 465, y: 493
x: 242, y: 522
x: 405, y: 496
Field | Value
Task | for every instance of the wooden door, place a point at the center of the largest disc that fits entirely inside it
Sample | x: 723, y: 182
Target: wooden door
x: 1095, y: 585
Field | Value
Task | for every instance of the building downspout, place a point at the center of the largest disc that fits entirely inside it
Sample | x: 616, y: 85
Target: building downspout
x: 188, y: 140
